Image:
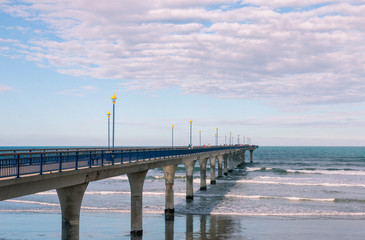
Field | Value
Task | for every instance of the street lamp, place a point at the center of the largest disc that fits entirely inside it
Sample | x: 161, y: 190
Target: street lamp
x: 225, y: 139
x: 216, y: 137
x: 191, y: 133
x: 172, y: 135
x: 113, y: 100
x: 200, y: 137
x: 108, y: 114
x: 230, y: 138
x: 238, y: 139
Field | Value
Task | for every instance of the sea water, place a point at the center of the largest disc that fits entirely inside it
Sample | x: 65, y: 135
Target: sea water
x: 287, y: 193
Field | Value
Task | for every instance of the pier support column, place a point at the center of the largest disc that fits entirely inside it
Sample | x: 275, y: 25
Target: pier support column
x: 251, y: 156
x: 212, y: 170
x: 203, y: 173
x: 70, y: 200
x: 244, y: 156
x: 225, y: 164
x: 230, y: 162
x: 220, y: 166
x: 136, y: 181
x: 189, y: 167
x: 169, y: 172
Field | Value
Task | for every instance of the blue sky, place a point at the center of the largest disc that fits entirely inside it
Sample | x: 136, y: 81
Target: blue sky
x: 281, y: 73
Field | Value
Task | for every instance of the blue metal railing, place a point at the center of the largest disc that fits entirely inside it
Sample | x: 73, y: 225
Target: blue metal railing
x: 14, y: 163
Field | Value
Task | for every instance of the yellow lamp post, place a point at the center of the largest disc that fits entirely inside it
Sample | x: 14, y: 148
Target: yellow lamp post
x: 200, y: 137
x: 216, y: 137
x: 108, y: 114
x: 113, y: 100
x: 191, y: 133
x: 172, y: 135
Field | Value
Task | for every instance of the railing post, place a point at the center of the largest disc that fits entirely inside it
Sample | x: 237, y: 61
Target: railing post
x: 102, y: 158
x: 76, y: 160
x: 130, y: 155
x: 90, y: 159
x: 137, y: 154
x: 18, y: 167
x: 60, y: 163
x: 41, y: 165
x: 113, y: 156
x: 121, y: 156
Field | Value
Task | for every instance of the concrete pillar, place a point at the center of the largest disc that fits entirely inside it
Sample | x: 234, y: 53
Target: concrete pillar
x: 251, y: 156
x: 203, y: 173
x: 244, y: 156
x: 230, y: 162
x: 70, y: 200
x: 212, y: 170
x: 189, y: 167
x: 220, y: 166
x: 169, y: 172
x: 225, y: 164
x: 136, y: 181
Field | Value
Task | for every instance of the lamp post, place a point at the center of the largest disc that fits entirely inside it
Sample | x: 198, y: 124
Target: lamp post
x: 172, y: 135
x: 113, y: 100
x: 200, y: 137
x: 230, y: 138
x: 191, y: 133
x: 243, y: 140
x: 238, y: 139
x: 225, y: 139
x: 108, y: 114
x: 216, y: 137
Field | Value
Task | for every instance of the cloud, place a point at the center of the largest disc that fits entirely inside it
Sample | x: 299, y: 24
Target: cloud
x: 282, y: 52
x: 4, y: 88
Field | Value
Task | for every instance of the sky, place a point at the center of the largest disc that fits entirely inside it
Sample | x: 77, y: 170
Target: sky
x: 281, y: 72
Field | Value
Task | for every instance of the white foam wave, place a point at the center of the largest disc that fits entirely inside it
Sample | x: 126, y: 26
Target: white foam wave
x: 284, y: 198
x: 253, y: 169
x: 122, y: 177
x: 328, y: 172
x: 290, y: 214
x: 303, y: 184
x: 33, y: 202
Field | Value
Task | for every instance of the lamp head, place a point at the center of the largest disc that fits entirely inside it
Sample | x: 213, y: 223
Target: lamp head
x: 114, y: 98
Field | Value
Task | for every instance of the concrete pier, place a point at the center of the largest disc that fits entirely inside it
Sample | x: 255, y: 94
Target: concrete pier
x: 136, y: 181
x: 243, y: 156
x: 70, y: 200
x: 169, y: 172
x: 225, y: 164
x: 251, y: 156
x: 203, y: 173
x: 220, y: 166
x: 230, y: 162
x: 189, y: 167
x: 212, y: 169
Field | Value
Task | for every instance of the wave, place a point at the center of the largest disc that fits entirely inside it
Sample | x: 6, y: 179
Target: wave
x: 310, y: 171
x: 290, y: 214
x: 328, y: 172
x: 303, y: 184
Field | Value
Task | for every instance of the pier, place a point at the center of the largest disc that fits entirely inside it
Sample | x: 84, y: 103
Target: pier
x: 69, y: 170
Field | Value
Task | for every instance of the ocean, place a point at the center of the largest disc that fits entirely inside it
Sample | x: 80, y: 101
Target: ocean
x: 286, y: 193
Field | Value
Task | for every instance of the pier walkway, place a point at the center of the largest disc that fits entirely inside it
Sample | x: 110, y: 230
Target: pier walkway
x: 69, y: 170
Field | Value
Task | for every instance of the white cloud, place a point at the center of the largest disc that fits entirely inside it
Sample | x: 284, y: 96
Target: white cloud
x: 292, y: 52
x: 4, y: 88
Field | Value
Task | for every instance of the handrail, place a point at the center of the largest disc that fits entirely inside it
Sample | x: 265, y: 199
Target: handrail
x: 42, y: 161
